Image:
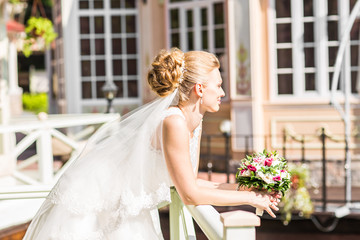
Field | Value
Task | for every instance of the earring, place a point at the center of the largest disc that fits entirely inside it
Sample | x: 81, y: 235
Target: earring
x: 201, y: 100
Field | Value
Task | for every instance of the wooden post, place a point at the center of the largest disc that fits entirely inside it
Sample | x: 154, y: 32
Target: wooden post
x: 239, y: 225
x: 44, y: 150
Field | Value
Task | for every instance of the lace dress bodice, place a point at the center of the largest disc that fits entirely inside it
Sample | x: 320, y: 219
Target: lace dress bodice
x: 194, y: 139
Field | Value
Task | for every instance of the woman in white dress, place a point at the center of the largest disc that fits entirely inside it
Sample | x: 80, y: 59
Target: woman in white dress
x: 114, y: 187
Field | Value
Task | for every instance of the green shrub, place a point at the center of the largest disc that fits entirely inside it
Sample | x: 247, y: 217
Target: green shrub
x: 35, y: 102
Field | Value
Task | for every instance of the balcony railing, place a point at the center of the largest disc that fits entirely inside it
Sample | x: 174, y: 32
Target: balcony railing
x: 227, y: 226
x: 41, y: 131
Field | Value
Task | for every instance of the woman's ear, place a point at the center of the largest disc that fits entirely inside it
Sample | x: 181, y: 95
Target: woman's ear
x: 199, y: 89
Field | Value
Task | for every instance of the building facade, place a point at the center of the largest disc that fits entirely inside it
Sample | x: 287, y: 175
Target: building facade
x: 277, y: 61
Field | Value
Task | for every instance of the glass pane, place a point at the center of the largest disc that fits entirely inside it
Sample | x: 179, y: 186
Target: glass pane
x: 131, y: 67
x: 116, y: 46
x: 84, y: 25
x: 86, y: 90
x: 354, y: 82
x: 99, y: 46
x: 333, y: 30
x: 190, y: 39
x: 130, y: 3
x: 354, y: 55
x: 132, y: 88
x: 99, y: 91
x: 116, y: 24
x: 284, y: 58
x: 309, y: 57
x: 330, y: 81
x: 204, y: 17
x: 332, y: 7
x: 98, y: 4
x: 117, y: 67
x: 219, y: 38
x: 282, y: 8
x: 99, y: 24
x: 308, y: 8
x: 204, y: 39
x: 115, y: 4
x: 84, y: 4
x: 174, y: 18
x: 130, y: 24
x: 354, y: 34
x: 189, y: 17
x: 120, y: 92
x: 85, y: 68
x: 309, y: 81
x: 100, y: 67
x: 283, y: 33
x: 85, y: 46
x: 219, y: 13
x: 285, y: 85
x: 332, y: 55
x: 175, y: 40
x: 309, y: 32
x: 131, y: 45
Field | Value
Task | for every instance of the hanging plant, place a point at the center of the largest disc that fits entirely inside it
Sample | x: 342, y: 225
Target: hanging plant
x: 39, y: 31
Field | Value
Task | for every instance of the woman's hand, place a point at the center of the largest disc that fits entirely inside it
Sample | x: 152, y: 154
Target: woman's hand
x: 264, y: 201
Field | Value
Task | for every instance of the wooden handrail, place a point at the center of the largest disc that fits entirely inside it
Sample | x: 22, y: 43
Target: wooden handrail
x: 227, y: 226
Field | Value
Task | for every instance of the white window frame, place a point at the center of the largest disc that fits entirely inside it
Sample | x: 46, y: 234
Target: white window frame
x: 321, y: 46
x: 196, y: 6
x: 73, y: 67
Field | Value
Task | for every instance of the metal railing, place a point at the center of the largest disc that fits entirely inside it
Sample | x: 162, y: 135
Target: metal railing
x: 320, y: 145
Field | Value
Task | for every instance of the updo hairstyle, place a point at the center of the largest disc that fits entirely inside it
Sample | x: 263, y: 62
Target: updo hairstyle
x: 167, y: 73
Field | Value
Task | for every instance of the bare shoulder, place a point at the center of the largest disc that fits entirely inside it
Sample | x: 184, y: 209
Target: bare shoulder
x: 174, y: 123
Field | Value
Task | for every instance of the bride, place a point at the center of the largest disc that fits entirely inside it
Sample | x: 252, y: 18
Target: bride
x: 114, y: 187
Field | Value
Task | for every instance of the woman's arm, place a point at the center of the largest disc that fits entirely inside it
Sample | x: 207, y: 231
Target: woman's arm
x: 222, y: 186
x: 176, y: 151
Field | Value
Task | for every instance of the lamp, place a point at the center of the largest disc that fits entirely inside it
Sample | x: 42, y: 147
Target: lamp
x: 109, y: 89
x: 225, y: 128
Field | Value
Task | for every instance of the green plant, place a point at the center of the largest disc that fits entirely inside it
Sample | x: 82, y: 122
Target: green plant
x: 35, y: 102
x: 298, y: 198
x: 39, y: 31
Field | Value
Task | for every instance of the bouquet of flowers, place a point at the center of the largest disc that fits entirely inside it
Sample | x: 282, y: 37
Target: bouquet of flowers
x: 264, y: 171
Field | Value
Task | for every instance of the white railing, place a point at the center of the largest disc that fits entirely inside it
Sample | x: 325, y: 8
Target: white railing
x: 42, y: 130
x: 215, y: 225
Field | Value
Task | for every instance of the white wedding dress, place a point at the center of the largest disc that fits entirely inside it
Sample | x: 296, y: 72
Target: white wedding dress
x: 98, y: 198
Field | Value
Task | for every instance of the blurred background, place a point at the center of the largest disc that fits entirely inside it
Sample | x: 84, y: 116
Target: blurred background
x: 290, y: 72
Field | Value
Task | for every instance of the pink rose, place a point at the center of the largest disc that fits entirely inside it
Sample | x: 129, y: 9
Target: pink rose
x: 268, y: 161
x: 277, y: 178
x: 251, y: 168
x: 242, y: 171
x: 257, y: 160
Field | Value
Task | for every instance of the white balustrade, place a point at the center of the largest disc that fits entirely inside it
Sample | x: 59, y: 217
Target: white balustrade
x: 41, y: 130
x: 216, y: 226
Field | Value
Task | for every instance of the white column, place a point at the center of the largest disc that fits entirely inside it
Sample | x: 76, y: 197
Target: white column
x: 15, y: 92
x: 321, y: 47
x: 258, y: 70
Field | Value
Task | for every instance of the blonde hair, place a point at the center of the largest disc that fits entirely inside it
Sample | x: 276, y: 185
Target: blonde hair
x: 174, y: 69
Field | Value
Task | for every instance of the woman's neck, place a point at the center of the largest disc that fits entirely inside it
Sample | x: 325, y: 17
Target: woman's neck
x: 192, y: 115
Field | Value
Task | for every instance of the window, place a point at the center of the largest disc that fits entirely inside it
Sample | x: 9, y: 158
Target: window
x: 199, y: 25
x: 109, y: 47
x: 304, y: 45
